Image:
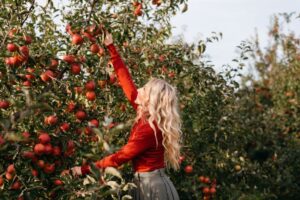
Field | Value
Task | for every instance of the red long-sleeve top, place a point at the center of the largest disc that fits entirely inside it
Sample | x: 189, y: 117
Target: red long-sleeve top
x: 141, y: 147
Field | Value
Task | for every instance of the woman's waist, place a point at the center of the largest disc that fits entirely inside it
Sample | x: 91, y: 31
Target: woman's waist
x: 144, y: 164
x: 155, y: 172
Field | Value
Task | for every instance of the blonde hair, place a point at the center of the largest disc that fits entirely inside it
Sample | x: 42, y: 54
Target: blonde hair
x: 161, y: 106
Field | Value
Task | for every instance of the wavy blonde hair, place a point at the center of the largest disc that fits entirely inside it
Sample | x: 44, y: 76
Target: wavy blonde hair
x: 161, y: 106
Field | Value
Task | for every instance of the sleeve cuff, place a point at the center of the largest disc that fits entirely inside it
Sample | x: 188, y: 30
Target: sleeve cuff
x: 112, y: 49
x: 108, y: 161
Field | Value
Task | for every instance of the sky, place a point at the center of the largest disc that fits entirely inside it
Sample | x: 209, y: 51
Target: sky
x: 236, y: 19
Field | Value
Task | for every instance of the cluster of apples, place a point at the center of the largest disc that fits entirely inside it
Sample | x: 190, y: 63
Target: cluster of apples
x: 138, y: 7
x: 78, y: 37
x: 209, y: 190
x: 10, y: 175
x: 19, y: 53
x: 81, y: 117
x: 188, y: 169
x: 89, y: 33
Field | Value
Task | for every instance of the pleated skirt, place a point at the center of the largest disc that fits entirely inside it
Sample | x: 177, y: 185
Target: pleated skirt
x: 154, y: 185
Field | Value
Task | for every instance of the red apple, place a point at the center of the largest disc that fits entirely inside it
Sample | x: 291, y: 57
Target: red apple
x: 188, y: 169
x: 28, y: 154
x: 212, y: 190
x: 47, y: 76
x: 88, y: 131
x: 206, y: 180
x: 205, y: 190
x: 27, y: 83
x: 9, y: 176
x: 29, y: 76
x: 41, y: 164
x: 12, y: 32
x: 75, y: 68
x: 39, y: 149
x: 27, y: 39
x: 51, y: 120
x: 24, y: 50
x: 48, y: 149
x: 138, y: 12
x: 71, y: 106
x: 94, y: 48
x: 77, y: 39
x: 11, y: 169
x: 2, y: 141
x: 135, y: 3
x: 26, y: 134
x: 201, y: 179
x: 81, y: 115
x: 54, y: 64
x: 78, y: 90
x: 69, y: 58
x: 49, y: 168
x: 1, y: 181
x: 16, y: 185
x: 4, y: 104
x: 64, y: 127
x: 181, y: 159
x: 90, y: 85
x: 112, y: 79
x: 12, y: 47
x: 94, y: 122
x: 56, y: 151
x: 90, y: 95
x: 44, y: 138
x: 34, y: 172
x: 101, y: 52
x: 162, y: 58
x: 58, y: 182
x: 69, y: 29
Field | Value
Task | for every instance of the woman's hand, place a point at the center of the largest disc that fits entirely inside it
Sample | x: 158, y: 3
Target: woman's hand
x: 76, y: 171
x: 108, y: 39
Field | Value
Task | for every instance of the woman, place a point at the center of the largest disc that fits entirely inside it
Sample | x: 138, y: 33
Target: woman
x: 154, y: 141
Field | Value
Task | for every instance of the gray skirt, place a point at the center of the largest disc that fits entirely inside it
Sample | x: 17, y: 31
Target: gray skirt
x: 154, y: 185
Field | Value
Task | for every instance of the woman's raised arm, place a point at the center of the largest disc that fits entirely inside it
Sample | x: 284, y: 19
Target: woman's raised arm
x: 121, y: 71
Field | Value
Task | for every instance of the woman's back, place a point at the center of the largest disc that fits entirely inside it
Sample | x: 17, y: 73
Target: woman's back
x: 153, y: 157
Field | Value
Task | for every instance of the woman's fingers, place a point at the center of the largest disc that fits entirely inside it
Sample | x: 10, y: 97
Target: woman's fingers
x: 108, y: 38
x: 76, y: 171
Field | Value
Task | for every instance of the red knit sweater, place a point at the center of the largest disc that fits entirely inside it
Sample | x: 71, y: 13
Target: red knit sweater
x: 141, y: 147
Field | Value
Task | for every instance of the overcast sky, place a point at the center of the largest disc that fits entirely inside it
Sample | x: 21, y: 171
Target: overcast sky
x: 236, y: 19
